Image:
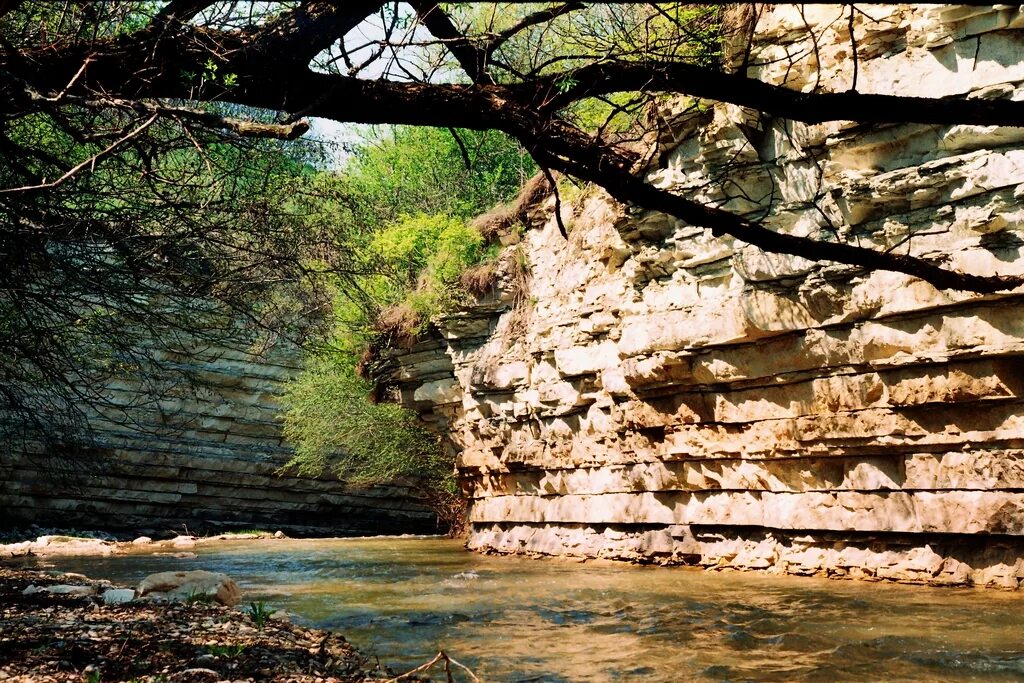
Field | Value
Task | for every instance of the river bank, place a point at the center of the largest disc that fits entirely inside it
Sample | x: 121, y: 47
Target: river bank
x: 73, y: 636
x: 57, y: 543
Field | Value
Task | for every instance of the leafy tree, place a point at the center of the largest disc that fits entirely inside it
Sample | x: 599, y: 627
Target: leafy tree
x: 408, y: 195
x: 364, y: 442
x: 396, y: 170
x: 127, y: 240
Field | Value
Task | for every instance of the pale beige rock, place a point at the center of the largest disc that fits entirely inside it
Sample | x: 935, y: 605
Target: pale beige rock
x: 677, y: 397
x: 183, y: 586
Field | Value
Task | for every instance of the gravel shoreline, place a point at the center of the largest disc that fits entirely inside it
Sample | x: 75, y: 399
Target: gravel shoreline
x: 46, y: 637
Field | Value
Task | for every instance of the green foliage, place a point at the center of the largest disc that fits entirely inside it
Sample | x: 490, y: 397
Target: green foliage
x: 230, y: 651
x: 260, y: 613
x: 640, y: 32
x: 402, y: 170
x: 336, y: 428
x: 439, y: 243
x: 199, y: 598
x: 403, y: 204
x: 176, y: 237
x: 426, y: 255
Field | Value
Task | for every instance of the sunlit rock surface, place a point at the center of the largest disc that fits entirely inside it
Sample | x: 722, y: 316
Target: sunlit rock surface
x: 662, y: 395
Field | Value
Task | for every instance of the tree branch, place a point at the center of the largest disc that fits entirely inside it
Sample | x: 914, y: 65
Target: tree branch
x: 180, y: 11
x: 529, y: 20
x: 470, y: 57
x: 609, y: 172
x: 8, y: 6
x: 605, y: 78
x: 135, y: 68
x: 88, y: 162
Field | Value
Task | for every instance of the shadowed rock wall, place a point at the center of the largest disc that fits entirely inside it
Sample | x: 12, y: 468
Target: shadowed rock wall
x: 202, y: 453
x: 663, y: 395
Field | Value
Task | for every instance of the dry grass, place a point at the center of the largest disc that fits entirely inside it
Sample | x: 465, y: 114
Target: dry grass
x: 522, y: 303
x: 479, y: 280
x: 398, y: 325
x: 501, y: 219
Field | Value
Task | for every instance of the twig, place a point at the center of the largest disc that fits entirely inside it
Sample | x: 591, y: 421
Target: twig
x: 421, y: 667
x: 91, y: 161
x: 853, y: 45
x: 59, y: 96
x: 462, y: 149
x: 440, y: 657
x: 463, y: 667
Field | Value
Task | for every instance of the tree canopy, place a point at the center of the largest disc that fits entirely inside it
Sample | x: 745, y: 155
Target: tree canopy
x: 520, y: 68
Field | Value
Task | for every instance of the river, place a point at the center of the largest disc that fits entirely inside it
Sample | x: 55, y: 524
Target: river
x: 516, y: 619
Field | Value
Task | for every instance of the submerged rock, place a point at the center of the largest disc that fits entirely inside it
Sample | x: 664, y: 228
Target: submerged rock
x: 60, y: 589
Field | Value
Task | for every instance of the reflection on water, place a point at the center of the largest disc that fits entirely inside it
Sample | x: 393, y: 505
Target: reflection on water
x: 514, y: 619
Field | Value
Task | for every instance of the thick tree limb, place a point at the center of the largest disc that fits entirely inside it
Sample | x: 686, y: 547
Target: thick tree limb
x: 271, y: 63
x: 609, y: 172
x: 179, y: 11
x: 252, y: 129
x: 606, y: 78
x: 472, y: 58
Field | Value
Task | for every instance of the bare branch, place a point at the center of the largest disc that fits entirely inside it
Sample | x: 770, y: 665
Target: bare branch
x: 606, y: 78
x: 533, y: 19
x: 462, y: 148
x: 180, y: 11
x: 88, y: 162
x: 470, y: 57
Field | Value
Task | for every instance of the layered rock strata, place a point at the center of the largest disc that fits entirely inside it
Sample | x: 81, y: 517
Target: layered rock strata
x: 200, y: 455
x: 659, y: 394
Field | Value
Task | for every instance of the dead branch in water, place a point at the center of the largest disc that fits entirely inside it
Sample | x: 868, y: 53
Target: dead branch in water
x: 440, y: 657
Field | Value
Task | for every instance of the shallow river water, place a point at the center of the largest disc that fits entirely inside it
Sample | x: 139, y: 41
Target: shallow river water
x: 513, y: 619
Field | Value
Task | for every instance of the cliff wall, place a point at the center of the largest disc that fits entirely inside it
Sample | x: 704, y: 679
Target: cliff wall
x: 649, y: 392
x: 201, y: 450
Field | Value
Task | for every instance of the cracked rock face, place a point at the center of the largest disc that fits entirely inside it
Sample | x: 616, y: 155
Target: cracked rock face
x: 663, y: 395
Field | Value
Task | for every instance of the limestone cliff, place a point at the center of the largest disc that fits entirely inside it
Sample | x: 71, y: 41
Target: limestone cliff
x: 663, y: 395
x: 200, y: 452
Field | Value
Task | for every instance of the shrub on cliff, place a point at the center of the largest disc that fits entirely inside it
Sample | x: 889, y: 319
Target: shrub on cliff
x: 335, y: 428
x: 403, y: 207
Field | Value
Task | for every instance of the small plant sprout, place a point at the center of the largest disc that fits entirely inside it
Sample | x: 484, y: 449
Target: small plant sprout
x: 230, y: 651
x: 259, y: 613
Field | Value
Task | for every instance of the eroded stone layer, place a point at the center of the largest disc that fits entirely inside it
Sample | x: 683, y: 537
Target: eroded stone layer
x: 198, y: 456
x: 660, y: 394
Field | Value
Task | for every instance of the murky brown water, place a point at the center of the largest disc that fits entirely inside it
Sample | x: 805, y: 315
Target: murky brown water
x: 514, y: 619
